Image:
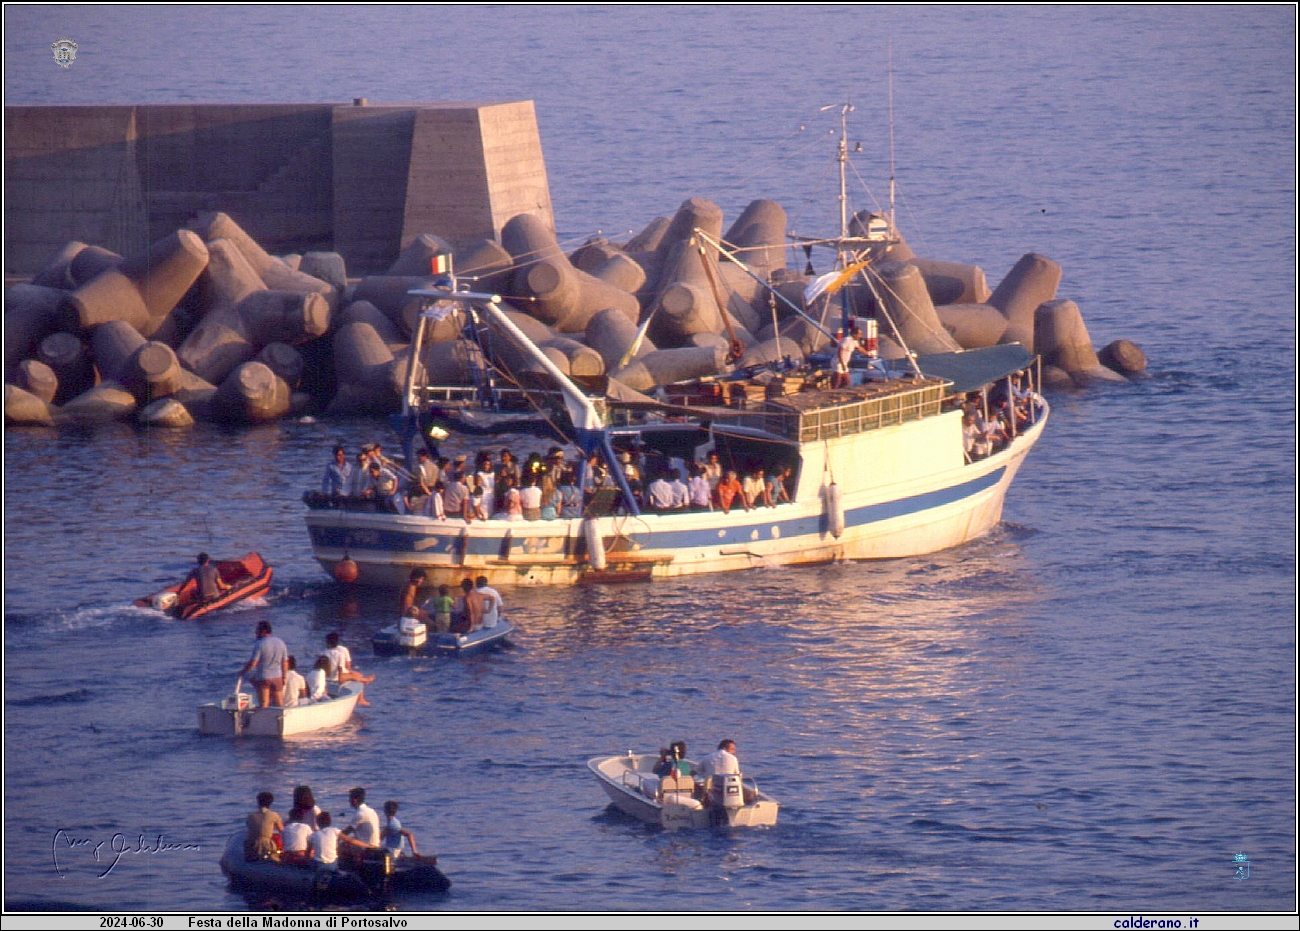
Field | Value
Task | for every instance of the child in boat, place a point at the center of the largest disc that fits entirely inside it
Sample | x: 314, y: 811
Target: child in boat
x: 439, y: 607
x: 393, y: 836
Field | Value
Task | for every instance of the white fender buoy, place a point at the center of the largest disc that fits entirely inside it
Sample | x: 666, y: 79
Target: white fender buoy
x: 595, y: 545
x: 834, y: 510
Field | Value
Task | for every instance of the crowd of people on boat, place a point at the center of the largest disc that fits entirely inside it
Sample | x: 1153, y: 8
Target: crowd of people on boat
x: 309, y: 837
x: 989, y: 427
x: 273, y: 671
x: 549, y: 487
x: 475, y: 606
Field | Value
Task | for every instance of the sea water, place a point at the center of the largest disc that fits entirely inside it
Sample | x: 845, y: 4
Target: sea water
x: 1091, y: 708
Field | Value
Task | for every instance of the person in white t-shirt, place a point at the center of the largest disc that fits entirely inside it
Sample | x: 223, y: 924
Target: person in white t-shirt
x: 492, y: 603
x: 317, y: 680
x: 341, y: 665
x: 295, y: 838
x: 365, y: 823
x: 295, y: 686
x: 324, y: 845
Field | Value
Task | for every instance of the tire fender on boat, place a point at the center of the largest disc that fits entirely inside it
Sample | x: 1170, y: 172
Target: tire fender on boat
x: 595, y: 545
x: 834, y: 510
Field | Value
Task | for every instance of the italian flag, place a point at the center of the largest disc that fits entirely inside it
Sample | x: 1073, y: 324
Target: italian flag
x: 440, y: 264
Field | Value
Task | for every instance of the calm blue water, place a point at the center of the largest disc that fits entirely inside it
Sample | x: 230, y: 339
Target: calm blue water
x: 1092, y: 708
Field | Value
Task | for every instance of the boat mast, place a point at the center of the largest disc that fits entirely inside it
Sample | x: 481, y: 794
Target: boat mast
x: 893, y: 229
x: 843, y: 158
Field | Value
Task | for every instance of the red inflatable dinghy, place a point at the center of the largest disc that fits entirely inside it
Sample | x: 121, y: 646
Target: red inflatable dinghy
x: 247, y: 577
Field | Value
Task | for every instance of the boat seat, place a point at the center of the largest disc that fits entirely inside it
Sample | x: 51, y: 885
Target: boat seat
x: 678, y: 789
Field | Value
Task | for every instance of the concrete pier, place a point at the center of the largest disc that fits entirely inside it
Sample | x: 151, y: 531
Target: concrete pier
x: 363, y: 180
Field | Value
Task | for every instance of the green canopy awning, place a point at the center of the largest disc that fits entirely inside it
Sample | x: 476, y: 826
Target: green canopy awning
x: 974, y: 368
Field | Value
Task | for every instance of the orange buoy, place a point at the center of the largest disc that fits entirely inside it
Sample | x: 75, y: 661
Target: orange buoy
x: 346, y: 571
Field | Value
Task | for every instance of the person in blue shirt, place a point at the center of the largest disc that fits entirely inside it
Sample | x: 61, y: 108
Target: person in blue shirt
x: 338, y: 475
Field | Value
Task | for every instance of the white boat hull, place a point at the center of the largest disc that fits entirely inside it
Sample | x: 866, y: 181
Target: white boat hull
x: 884, y: 518
x: 630, y: 784
x: 219, y: 719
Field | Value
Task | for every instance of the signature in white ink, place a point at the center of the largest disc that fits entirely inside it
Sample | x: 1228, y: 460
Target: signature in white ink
x: 111, y: 850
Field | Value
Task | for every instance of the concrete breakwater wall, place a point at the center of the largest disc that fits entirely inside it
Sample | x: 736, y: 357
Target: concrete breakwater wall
x: 361, y: 180
x: 205, y: 322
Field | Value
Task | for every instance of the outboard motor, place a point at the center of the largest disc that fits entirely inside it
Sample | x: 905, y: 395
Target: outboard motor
x: 728, y: 791
x: 412, y: 632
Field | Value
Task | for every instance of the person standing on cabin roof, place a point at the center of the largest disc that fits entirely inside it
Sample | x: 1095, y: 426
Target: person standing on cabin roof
x: 844, y: 346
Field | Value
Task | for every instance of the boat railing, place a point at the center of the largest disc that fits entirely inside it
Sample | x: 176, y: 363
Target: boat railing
x: 471, y: 396
x: 647, y: 785
x: 828, y: 416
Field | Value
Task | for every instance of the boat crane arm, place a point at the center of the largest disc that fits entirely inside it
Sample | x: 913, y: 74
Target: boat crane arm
x: 587, y: 420
x: 743, y: 267
x: 581, y: 410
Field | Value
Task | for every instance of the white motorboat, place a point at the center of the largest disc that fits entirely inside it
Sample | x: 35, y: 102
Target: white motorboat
x: 411, y: 637
x: 674, y: 803
x: 239, y: 715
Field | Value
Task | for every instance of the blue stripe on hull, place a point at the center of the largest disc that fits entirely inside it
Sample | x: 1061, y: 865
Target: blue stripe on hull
x: 523, y: 545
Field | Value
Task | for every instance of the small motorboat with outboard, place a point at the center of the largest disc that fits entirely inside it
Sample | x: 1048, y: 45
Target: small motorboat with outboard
x: 676, y: 802
x: 239, y: 715
x: 378, y: 875
x: 411, y: 637
x: 248, y: 577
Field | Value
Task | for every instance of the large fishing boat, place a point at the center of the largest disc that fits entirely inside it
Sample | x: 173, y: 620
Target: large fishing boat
x: 880, y: 467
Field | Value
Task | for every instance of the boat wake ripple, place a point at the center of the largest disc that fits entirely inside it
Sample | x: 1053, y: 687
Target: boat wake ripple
x: 76, y: 696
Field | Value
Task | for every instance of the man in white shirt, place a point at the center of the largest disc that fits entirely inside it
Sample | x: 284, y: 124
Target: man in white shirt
x: 492, y: 602
x: 721, y: 761
x: 295, y: 686
x: 365, y: 823
x: 661, y: 494
x: 681, y: 494
x: 701, y: 493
